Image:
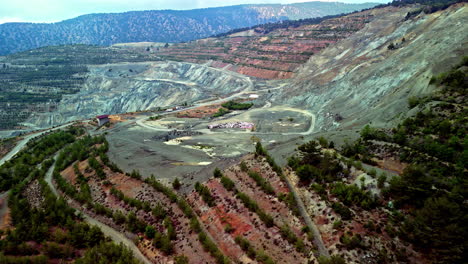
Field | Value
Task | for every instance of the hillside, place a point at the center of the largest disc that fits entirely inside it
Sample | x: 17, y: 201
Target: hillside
x: 35, y: 81
x: 157, y: 26
x: 360, y: 157
x: 271, y: 51
x: 65, y: 69
x: 368, y: 76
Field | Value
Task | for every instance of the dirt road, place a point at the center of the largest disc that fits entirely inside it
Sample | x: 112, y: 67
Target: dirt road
x: 25, y: 141
x: 116, y: 236
x: 302, y: 209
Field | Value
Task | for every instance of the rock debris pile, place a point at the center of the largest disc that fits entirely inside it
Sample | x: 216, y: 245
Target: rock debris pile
x: 242, y: 125
x: 176, y: 134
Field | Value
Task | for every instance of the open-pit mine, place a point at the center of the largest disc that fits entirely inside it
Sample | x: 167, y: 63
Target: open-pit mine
x: 339, y: 141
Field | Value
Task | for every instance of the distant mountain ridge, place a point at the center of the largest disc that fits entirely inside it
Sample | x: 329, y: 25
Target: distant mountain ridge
x: 158, y: 26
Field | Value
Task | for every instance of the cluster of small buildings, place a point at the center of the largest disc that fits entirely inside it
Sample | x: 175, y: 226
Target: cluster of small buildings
x: 241, y: 125
x: 171, y: 109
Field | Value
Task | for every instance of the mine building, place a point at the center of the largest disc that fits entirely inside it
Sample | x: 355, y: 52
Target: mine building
x: 102, y: 119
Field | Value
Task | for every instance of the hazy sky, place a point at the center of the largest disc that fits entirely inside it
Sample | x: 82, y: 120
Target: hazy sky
x: 57, y: 10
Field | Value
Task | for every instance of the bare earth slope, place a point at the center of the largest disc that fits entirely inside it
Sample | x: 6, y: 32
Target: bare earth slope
x: 128, y: 87
x: 362, y: 79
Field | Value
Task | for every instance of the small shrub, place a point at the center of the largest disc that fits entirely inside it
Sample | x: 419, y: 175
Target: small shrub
x: 176, y: 184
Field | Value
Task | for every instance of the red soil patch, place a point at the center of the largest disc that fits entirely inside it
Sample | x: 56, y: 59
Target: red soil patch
x: 230, y: 210
x: 199, y: 112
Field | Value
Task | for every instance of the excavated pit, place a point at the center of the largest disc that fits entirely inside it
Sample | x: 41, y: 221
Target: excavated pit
x: 131, y: 87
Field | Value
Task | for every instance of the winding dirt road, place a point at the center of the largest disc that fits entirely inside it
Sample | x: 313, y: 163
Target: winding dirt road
x: 25, y: 141
x: 107, y: 230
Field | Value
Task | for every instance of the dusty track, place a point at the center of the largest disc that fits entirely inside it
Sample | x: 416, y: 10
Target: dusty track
x: 24, y: 141
x: 107, y: 230
x: 302, y: 209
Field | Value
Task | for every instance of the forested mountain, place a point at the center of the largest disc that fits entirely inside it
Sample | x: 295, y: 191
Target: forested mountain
x: 159, y: 25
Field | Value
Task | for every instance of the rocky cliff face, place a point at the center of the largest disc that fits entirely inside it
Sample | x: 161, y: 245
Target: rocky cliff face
x: 369, y: 76
x: 127, y: 87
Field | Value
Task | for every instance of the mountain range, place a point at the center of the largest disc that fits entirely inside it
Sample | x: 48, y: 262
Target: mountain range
x: 158, y: 25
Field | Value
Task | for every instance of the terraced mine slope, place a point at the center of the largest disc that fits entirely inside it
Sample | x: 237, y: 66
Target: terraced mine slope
x: 35, y: 81
x: 369, y: 76
x: 260, y: 53
x: 130, y: 87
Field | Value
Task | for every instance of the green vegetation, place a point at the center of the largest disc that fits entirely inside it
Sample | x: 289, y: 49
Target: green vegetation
x: 176, y: 184
x: 266, y: 186
x: 163, y: 243
x: 41, y: 259
x: 351, y: 241
x: 205, y: 194
x: 232, y: 105
x: 228, y: 228
x: 331, y: 260
x: 181, y: 260
x: 108, y: 253
x: 93, y: 163
x: 287, y: 198
x: 158, y: 211
x: 369, y: 133
x: 289, y: 235
x: 261, y: 151
x: 154, y: 118
x: 260, y: 256
x: 353, y: 195
x: 194, y: 223
x: 342, y: 210
x: 221, y: 112
x: 290, y: 201
x: 14, y: 171
x: 243, y: 166
x: 337, y: 224
x: 253, y: 207
x: 313, y: 166
x: 161, y: 188
x: 54, y: 226
x: 428, y: 197
x: 211, y: 247
x: 228, y: 183
x: 381, y: 181
x: 217, y: 173
x: 145, y: 206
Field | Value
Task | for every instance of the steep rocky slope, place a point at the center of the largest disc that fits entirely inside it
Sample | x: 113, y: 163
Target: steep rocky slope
x: 369, y: 76
x: 127, y: 87
x: 263, y: 52
x: 34, y: 81
x: 158, y: 26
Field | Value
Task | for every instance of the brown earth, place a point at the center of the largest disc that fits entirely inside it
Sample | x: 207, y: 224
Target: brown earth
x: 230, y: 210
x: 267, y: 55
x: 187, y: 241
x: 5, y: 220
x: 199, y: 112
